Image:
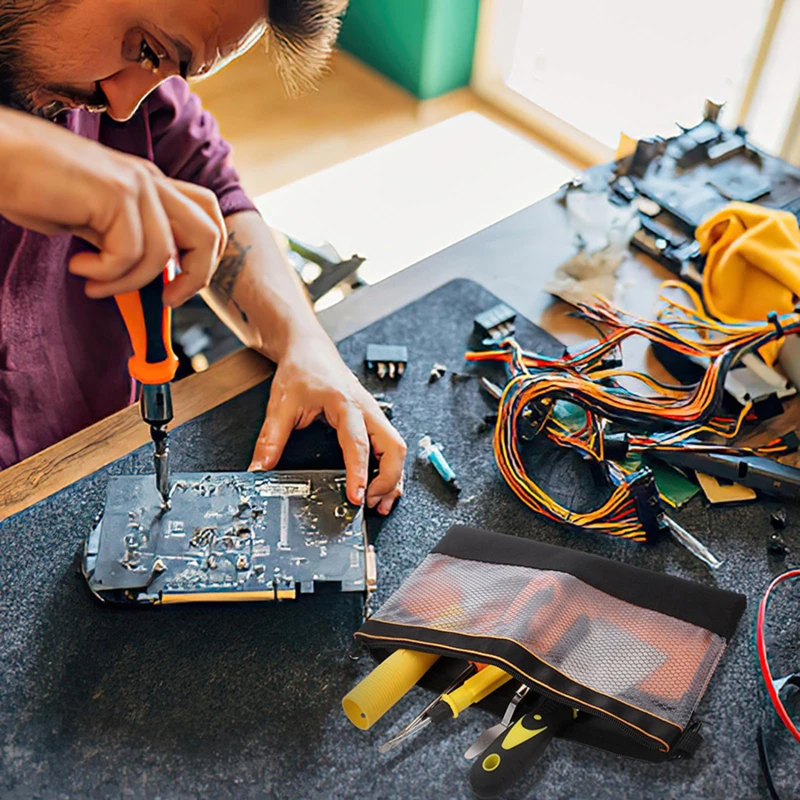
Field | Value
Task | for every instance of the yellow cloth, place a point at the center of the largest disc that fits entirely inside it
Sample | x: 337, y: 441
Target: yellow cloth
x: 752, y: 265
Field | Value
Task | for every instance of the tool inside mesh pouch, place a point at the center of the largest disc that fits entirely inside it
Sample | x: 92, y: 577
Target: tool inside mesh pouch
x: 631, y: 649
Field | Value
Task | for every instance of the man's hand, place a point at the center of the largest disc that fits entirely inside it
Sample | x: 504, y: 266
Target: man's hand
x: 312, y: 380
x: 54, y: 181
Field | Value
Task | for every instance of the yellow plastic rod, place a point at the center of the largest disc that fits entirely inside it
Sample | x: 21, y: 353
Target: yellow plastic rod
x: 365, y: 704
x: 475, y: 689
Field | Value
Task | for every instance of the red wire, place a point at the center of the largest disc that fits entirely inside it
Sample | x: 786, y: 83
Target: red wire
x: 762, y: 653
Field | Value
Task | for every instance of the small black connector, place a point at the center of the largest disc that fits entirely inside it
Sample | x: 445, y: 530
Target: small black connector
x: 778, y: 519
x: 791, y: 441
x: 776, y: 546
x: 437, y: 373
x: 387, y: 360
x: 487, y: 423
x: 648, y: 505
x: 385, y: 405
x: 616, y: 446
x: 496, y: 322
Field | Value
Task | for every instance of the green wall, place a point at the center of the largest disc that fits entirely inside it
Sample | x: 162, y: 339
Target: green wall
x: 424, y: 45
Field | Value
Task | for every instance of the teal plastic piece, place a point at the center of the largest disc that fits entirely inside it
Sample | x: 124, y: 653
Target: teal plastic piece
x: 426, y: 46
x: 436, y: 457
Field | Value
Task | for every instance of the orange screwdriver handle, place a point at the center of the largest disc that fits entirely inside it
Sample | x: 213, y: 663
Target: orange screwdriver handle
x: 149, y: 324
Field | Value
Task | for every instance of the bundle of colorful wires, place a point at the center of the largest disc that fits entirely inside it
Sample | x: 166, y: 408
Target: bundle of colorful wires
x: 662, y: 416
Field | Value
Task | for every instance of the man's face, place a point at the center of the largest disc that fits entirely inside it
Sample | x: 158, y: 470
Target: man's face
x: 110, y: 54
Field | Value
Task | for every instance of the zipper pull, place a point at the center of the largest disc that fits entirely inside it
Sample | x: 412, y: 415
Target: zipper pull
x: 688, y: 743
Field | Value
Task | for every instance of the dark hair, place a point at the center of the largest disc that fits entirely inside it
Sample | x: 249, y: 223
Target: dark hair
x: 17, y: 17
x: 300, y: 38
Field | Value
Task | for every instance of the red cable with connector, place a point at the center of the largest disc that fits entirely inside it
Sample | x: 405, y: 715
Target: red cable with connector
x: 761, y: 645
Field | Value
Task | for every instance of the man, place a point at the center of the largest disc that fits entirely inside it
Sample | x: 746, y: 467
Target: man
x: 109, y: 167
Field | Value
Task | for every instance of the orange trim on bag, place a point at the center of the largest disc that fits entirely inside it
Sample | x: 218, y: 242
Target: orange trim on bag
x: 529, y: 677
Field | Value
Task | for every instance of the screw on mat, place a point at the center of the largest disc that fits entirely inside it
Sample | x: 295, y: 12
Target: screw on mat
x: 776, y: 544
x: 487, y: 423
x: 437, y: 372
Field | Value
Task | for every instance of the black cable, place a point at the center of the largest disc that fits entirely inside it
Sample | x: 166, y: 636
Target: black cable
x: 765, y: 767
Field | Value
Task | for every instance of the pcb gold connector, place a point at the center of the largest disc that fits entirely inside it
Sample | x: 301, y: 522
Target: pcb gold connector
x: 387, y: 360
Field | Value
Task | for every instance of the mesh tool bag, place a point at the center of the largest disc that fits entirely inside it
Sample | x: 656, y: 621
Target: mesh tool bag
x: 631, y: 650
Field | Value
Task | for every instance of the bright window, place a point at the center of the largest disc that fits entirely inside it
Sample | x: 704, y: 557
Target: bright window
x: 582, y: 71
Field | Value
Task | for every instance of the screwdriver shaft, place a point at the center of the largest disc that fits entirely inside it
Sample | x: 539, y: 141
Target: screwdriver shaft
x: 692, y: 544
x: 161, y: 462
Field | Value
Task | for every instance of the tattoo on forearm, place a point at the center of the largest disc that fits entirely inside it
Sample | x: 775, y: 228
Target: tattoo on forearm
x: 230, y: 265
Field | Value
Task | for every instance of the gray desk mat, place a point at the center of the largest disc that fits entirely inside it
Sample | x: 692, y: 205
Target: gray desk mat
x: 243, y: 701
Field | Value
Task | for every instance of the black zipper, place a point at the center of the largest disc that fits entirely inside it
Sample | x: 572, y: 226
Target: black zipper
x: 640, y: 738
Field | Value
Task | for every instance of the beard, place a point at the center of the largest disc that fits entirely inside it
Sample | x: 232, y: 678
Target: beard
x: 22, y: 98
x: 22, y: 94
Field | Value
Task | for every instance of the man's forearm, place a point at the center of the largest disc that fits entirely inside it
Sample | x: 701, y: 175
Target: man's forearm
x: 255, y: 292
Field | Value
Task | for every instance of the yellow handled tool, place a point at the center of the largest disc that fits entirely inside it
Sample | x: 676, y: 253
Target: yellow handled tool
x: 450, y: 704
x: 472, y: 691
x: 518, y: 748
x: 385, y: 685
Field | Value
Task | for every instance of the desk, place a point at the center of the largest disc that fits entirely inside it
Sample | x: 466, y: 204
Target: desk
x: 513, y: 259
x: 243, y: 701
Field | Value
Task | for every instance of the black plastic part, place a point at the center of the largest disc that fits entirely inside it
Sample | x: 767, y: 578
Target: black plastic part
x: 776, y: 545
x: 694, y: 154
x: 689, y: 370
x: 332, y: 276
x: 791, y: 441
x: 386, y: 354
x: 333, y: 270
x: 487, y: 321
x: 778, y: 519
x: 646, y: 151
x: 660, y: 231
x: 440, y: 712
x: 767, y: 407
x: 725, y: 149
x: 516, y: 750
x: 387, y: 408
x: 616, y: 446
x: 625, y: 191
x: 156, y: 404
x: 153, y: 311
x: 762, y: 474
x: 658, y: 249
x: 612, y: 360
x: 648, y: 505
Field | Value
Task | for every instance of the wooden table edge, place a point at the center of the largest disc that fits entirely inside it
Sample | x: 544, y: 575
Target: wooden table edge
x: 62, y: 464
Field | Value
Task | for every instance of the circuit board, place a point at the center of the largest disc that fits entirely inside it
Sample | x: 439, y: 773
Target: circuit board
x: 228, y: 536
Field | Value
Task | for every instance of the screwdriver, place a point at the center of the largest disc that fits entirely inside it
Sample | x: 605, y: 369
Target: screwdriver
x: 451, y: 703
x: 421, y: 719
x: 153, y: 364
x: 518, y: 748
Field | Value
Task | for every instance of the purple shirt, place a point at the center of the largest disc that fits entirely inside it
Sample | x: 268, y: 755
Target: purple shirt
x: 63, y: 357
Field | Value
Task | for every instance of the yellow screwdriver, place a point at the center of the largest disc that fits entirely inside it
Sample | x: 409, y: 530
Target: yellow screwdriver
x: 450, y: 704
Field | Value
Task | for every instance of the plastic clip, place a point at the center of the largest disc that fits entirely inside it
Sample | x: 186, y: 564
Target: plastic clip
x: 773, y: 318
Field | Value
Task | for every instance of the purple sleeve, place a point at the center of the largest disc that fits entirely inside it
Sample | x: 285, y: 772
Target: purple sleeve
x: 187, y: 145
